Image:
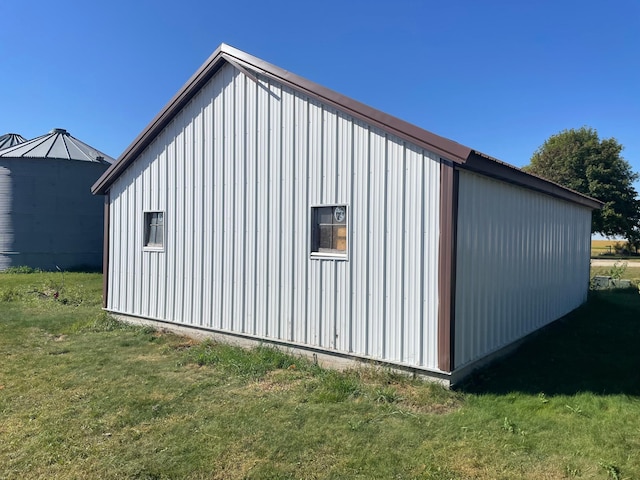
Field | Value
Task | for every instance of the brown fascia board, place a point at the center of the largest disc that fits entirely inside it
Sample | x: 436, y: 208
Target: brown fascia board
x: 224, y: 53
x: 484, y: 164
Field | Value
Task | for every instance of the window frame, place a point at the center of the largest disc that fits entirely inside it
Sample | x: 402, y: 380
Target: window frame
x: 314, y: 226
x: 148, y: 219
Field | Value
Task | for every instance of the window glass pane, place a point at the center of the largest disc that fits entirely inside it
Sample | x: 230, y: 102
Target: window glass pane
x: 325, y: 215
x: 154, y: 229
x: 340, y: 238
x: 325, y: 236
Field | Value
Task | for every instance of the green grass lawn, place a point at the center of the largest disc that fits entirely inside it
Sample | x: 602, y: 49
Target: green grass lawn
x: 82, y: 396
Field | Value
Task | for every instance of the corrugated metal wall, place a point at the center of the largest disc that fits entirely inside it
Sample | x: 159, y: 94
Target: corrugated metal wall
x: 237, y: 172
x: 48, y: 216
x: 522, y: 262
x: 6, y: 223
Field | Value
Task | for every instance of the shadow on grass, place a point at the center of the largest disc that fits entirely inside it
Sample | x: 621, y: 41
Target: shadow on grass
x: 593, y: 349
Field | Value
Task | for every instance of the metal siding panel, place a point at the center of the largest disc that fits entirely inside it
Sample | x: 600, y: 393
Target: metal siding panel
x: 131, y: 247
x: 243, y: 163
x: 228, y: 208
x: 431, y: 232
x: 314, y: 284
x: 161, y: 204
x: 149, y: 280
x: 288, y: 252
x: 179, y: 226
x: 251, y: 208
x: 359, y: 245
x: 329, y: 290
x: 344, y: 194
x: 170, y: 221
x: 301, y: 222
x: 377, y: 232
x: 519, y: 267
x: 274, y: 210
x: 239, y: 208
x: 262, y: 211
x: 207, y: 208
x: 217, y: 238
x: 412, y: 255
x: 197, y: 242
x: 394, y: 265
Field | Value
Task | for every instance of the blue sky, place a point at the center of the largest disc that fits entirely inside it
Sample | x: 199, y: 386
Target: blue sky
x: 497, y: 76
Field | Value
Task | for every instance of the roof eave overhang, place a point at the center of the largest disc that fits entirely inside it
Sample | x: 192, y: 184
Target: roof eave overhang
x: 484, y: 164
x: 248, y: 64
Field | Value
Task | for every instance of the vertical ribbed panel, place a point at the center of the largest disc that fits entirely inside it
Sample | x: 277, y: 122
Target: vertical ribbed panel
x: 237, y: 172
x: 522, y: 262
x: 6, y: 222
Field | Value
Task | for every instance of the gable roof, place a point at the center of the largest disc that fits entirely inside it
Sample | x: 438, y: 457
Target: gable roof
x: 57, y: 144
x: 250, y: 66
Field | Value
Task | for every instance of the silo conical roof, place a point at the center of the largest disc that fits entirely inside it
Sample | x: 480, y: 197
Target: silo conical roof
x: 57, y: 144
x: 11, y: 139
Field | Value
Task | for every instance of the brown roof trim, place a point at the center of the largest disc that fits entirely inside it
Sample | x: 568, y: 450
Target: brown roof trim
x: 484, y: 164
x: 224, y: 53
x: 448, y: 149
x: 430, y: 141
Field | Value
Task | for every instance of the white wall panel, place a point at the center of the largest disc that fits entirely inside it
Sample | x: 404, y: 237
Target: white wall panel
x: 522, y: 262
x: 237, y: 172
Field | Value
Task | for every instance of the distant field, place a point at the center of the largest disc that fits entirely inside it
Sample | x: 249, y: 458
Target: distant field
x: 602, y: 247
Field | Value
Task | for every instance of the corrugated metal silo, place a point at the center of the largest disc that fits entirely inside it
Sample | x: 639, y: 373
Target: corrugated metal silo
x: 48, y: 217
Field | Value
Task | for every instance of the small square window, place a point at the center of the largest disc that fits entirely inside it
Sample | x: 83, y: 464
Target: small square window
x: 329, y: 229
x: 154, y: 229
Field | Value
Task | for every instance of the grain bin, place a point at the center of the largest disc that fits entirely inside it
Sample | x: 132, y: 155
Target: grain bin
x: 48, y: 217
x: 11, y: 139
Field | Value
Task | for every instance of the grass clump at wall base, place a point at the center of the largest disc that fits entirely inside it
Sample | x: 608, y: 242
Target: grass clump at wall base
x: 253, y: 364
x: 85, y: 396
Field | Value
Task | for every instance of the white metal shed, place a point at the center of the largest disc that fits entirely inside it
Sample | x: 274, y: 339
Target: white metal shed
x: 262, y: 206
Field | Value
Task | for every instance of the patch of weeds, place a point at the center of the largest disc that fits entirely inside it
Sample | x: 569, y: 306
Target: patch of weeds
x: 104, y: 322
x: 386, y: 394
x: 10, y: 294
x: 617, y: 270
x: 333, y: 387
x: 577, y: 410
x: 613, y: 471
x: 252, y: 363
x: 509, y: 426
x: 571, y: 471
x: 22, y: 269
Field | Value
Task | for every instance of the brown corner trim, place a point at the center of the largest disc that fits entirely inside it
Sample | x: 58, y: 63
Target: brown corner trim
x: 105, y: 251
x: 447, y: 265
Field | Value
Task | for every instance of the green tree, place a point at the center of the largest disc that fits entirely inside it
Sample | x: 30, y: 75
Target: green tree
x: 579, y: 160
